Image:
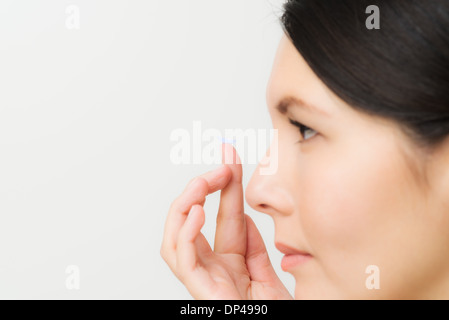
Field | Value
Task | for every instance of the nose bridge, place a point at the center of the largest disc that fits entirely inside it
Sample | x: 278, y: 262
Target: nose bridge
x: 269, y: 164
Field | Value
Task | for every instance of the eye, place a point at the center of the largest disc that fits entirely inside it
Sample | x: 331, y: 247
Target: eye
x: 306, y: 132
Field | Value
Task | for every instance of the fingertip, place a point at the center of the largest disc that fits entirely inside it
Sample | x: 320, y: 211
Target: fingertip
x: 196, y: 219
x: 227, y: 172
x: 196, y: 209
x: 250, y: 225
x: 229, y: 154
x: 218, y: 179
x: 192, y: 213
x: 201, y: 185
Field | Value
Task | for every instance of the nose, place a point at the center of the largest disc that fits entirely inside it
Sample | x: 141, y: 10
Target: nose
x: 269, y: 193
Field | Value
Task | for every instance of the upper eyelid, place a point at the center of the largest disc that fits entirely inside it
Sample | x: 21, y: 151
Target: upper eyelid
x: 300, y: 126
x: 294, y: 122
x: 297, y: 123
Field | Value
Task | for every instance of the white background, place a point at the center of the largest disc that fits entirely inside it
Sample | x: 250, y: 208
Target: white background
x: 85, y: 121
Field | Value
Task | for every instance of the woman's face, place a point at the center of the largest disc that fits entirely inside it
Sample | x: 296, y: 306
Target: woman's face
x: 354, y: 194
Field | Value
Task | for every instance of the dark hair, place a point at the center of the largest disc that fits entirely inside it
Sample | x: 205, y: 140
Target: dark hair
x: 399, y: 72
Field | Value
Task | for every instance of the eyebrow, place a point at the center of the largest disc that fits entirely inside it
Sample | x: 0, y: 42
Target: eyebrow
x: 286, y: 103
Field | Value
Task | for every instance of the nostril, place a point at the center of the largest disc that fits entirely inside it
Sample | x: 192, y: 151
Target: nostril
x: 263, y: 206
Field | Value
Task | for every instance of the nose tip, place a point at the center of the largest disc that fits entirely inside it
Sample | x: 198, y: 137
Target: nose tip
x: 269, y: 194
x: 255, y: 194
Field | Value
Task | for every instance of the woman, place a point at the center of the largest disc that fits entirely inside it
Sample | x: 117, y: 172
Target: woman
x: 360, y: 200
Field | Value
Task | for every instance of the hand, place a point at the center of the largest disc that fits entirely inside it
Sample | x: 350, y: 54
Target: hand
x: 239, y: 266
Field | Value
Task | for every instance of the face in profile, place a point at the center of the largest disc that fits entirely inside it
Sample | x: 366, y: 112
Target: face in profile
x: 351, y: 192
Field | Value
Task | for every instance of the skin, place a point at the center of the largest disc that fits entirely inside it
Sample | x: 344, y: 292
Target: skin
x: 355, y: 192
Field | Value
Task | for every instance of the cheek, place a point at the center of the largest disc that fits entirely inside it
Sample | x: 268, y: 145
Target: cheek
x: 335, y: 206
x: 347, y: 208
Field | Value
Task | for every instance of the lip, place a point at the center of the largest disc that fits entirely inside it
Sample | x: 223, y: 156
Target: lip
x: 293, y: 257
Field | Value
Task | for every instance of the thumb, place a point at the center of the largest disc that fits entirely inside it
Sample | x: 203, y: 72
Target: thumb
x: 257, y: 259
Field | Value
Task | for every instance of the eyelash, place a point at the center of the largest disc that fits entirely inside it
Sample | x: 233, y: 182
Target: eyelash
x: 302, y: 128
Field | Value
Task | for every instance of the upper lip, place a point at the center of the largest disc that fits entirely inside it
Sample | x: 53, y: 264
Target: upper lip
x: 288, y: 250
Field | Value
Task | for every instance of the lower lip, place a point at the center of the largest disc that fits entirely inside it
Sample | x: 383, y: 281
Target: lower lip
x: 293, y: 260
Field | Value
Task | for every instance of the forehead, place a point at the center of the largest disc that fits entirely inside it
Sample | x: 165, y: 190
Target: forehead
x: 291, y: 76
